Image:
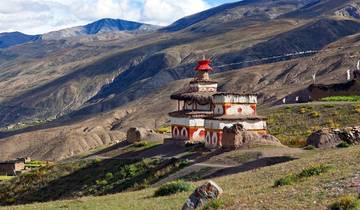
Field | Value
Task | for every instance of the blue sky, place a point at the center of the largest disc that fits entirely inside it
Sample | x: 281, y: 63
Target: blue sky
x: 217, y: 2
x: 41, y: 16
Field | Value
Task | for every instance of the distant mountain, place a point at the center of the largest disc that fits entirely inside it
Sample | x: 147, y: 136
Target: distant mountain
x: 102, y: 29
x: 15, y: 38
x: 102, y: 26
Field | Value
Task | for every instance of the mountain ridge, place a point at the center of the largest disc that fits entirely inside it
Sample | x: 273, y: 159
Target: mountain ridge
x: 102, y: 27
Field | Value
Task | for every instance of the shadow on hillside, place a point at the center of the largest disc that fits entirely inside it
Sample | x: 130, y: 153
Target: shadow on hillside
x: 92, y: 178
x: 158, y: 151
x: 112, y: 148
x: 252, y: 165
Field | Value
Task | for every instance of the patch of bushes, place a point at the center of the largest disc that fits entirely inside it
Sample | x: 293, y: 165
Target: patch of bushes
x: 173, y: 188
x: 341, y: 99
x: 346, y: 203
x: 308, y: 172
x: 343, y: 144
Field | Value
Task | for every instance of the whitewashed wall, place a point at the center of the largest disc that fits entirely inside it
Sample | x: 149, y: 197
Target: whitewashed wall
x: 231, y: 98
x: 248, y: 124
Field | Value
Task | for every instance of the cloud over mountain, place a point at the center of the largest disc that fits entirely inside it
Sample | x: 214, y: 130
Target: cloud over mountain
x: 39, y: 16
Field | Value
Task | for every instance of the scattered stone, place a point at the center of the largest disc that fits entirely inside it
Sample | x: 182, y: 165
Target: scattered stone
x: 203, y: 194
x: 236, y: 136
x: 328, y: 138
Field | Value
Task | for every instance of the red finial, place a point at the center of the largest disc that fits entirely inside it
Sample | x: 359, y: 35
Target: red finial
x: 204, y: 65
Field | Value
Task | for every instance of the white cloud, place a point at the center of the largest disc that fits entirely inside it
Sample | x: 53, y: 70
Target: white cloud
x: 40, y: 16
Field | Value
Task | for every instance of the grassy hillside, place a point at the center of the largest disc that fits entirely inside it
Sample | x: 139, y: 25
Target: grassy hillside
x: 252, y: 189
x: 294, y: 123
x: 291, y: 124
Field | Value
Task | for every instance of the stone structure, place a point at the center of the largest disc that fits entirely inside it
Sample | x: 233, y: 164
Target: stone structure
x: 326, y: 137
x: 350, y: 88
x: 12, y: 167
x: 203, y: 112
x: 236, y: 136
x: 203, y: 194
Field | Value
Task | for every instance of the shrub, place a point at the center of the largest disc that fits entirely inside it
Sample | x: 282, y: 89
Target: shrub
x: 101, y: 182
x: 332, y: 124
x: 173, y: 188
x: 129, y: 171
x: 109, y: 176
x: 346, y: 203
x: 302, y: 110
x: 314, y: 114
x: 314, y: 171
x: 357, y: 109
x: 288, y: 180
x: 184, y: 163
x: 343, y: 144
x: 213, y: 204
x: 308, y: 172
x: 309, y: 147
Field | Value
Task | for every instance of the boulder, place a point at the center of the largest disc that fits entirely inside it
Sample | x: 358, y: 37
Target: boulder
x: 139, y: 134
x: 136, y: 134
x: 327, y: 138
x: 323, y: 138
x: 203, y: 194
x: 236, y: 136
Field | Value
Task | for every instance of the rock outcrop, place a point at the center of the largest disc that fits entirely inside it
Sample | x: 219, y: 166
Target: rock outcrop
x: 203, y: 194
x: 327, y: 138
x: 140, y: 134
x: 236, y: 136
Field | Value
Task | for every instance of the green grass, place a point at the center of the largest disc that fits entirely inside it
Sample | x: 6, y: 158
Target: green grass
x: 173, y: 188
x: 213, y: 204
x: 346, y: 203
x: 6, y: 178
x: 247, y: 190
x: 342, y: 99
x: 306, y: 173
x: 293, y: 124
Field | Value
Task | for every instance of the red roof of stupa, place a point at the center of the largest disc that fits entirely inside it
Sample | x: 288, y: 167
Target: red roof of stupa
x: 204, y: 65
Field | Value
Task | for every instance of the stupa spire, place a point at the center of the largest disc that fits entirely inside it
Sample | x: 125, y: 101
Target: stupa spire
x: 203, y: 68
